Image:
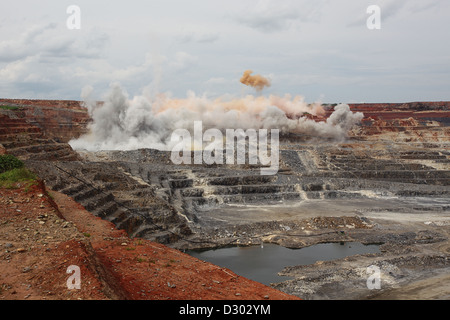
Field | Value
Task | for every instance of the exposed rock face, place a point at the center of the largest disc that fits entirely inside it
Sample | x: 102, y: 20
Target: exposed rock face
x: 64, y: 120
x: 418, y: 121
x: 26, y: 141
x: 59, y: 120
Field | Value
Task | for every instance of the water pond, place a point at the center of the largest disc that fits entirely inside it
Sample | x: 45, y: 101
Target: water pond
x: 263, y: 262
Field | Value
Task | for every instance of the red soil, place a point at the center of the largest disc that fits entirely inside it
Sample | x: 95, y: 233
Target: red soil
x: 41, y: 236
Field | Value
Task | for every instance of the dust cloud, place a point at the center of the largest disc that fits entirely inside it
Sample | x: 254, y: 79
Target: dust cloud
x: 257, y: 81
x: 124, y: 123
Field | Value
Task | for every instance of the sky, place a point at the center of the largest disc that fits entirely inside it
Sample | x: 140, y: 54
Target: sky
x: 319, y: 49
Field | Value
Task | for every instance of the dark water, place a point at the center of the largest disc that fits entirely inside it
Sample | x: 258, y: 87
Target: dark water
x: 263, y: 263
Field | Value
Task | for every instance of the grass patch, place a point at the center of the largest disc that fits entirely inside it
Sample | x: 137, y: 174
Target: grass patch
x: 6, y: 107
x: 15, y: 178
x: 17, y: 175
x: 13, y: 173
x: 9, y: 162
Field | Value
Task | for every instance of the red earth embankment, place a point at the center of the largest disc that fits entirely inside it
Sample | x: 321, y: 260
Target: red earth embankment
x: 42, y: 234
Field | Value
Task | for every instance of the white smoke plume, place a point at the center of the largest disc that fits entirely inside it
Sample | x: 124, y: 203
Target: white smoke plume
x: 121, y: 123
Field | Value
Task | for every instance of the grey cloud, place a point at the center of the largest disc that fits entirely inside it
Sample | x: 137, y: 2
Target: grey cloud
x: 208, y: 38
x: 51, y: 41
x: 16, y: 49
x: 196, y: 37
x: 275, y: 16
x: 391, y: 9
x: 419, y: 7
x: 268, y: 20
x: 183, y: 60
x: 306, y: 45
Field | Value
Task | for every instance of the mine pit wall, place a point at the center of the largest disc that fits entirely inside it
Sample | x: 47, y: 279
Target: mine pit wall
x: 64, y: 120
x: 61, y: 120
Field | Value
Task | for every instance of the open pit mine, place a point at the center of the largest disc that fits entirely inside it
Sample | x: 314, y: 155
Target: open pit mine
x: 386, y: 184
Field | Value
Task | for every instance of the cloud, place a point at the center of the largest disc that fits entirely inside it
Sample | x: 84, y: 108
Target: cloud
x: 270, y: 16
x: 305, y: 47
x: 43, y: 59
x: 197, y: 37
x: 208, y: 38
x: 16, y: 49
x: 421, y: 6
x: 16, y: 70
x: 393, y: 9
x: 183, y: 60
x: 51, y: 42
x: 217, y: 81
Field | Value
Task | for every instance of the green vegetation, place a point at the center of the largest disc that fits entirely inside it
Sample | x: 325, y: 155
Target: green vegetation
x: 17, y: 175
x: 9, y: 162
x: 11, y: 178
x: 12, y: 171
x: 6, y: 107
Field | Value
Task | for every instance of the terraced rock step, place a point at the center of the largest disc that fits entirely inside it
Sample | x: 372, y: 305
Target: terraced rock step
x: 180, y: 183
x: 107, y: 210
x: 98, y: 201
x: 116, y: 196
x: 239, y: 180
x: 26, y: 141
x: 250, y: 189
